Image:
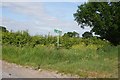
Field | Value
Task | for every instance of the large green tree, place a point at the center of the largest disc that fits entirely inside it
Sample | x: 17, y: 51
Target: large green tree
x: 103, y: 18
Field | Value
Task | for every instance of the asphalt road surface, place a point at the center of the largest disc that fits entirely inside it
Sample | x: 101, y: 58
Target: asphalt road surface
x: 10, y: 70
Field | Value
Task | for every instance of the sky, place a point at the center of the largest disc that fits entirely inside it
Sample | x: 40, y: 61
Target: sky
x: 40, y: 18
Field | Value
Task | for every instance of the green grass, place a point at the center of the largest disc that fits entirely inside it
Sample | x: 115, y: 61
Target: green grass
x: 79, y: 60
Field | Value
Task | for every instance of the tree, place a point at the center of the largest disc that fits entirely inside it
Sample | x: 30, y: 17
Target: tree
x: 71, y: 34
x: 87, y: 35
x: 103, y: 18
x: 3, y: 29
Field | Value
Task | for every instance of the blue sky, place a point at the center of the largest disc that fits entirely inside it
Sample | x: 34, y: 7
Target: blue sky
x: 14, y: 15
x: 62, y: 10
x: 40, y: 17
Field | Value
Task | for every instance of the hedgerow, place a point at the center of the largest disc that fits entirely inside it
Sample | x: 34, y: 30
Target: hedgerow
x: 23, y: 38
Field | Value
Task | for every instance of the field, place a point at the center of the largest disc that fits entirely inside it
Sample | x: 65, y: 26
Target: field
x: 80, y: 60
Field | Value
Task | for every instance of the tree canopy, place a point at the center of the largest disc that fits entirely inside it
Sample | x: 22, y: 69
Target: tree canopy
x: 3, y: 29
x: 103, y: 18
x: 87, y: 34
x: 71, y: 34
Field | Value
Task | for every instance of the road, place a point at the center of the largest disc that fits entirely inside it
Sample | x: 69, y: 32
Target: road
x: 10, y: 70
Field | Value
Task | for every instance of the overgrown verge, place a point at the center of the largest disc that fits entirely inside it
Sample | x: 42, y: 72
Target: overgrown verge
x: 85, y: 62
x: 85, y: 57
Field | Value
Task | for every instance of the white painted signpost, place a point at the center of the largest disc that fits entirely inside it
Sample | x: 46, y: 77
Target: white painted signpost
x: 59, y: 32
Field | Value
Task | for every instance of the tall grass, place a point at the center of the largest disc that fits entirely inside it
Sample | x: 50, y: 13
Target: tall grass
x: 80, y: 60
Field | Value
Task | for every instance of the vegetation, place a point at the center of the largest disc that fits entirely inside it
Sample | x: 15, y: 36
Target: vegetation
x: 88, y: 56
x: 85, y: 57
x: 3, y: 29
x: 87, y: 35
x: 103, y: 18
x: 71, y: 34
x: 22, y: 38
x: 81, y: 60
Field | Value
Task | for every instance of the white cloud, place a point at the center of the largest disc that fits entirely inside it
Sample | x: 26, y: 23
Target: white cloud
x: 41, y: 22
x: 45, y: 0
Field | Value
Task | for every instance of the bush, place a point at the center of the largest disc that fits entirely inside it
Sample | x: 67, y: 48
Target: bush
x: 22, y: 38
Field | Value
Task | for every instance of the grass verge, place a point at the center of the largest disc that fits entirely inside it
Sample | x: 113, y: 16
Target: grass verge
x: 85, y: 62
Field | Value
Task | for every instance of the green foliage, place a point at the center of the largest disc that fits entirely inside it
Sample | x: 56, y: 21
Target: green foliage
x: 103, y: 18
x: 3, y: 29
x: 86, y: 57
x: 18, y: 38
x: 84, y: 61
x: 68, y: 42
x: 22, y: 38
x: 71, y: 34
x: 87, y: 35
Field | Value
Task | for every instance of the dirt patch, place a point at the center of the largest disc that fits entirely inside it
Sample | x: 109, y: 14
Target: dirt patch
x: 10, y: 70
